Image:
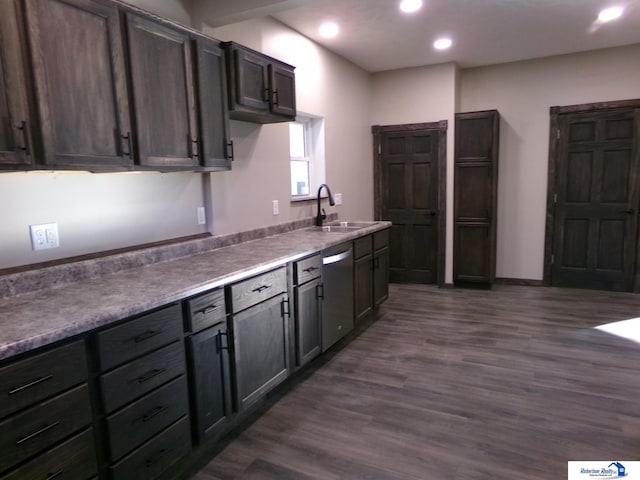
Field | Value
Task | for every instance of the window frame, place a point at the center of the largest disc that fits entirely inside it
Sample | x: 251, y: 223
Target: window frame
x: 314, y: 143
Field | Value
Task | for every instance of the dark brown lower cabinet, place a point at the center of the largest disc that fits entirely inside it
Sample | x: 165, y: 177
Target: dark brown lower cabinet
x: 74, y: 459
x: 380, y: 275
x: 363, y: 286
x: 210, y: 381
x: 371, y: 276
x: 308, y: 316
x: 155, y: 457
x: 260, y: 349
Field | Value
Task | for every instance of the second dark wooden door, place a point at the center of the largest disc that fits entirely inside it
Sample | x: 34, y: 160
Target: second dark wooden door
x: 596, y: 202
x: 408, y: 184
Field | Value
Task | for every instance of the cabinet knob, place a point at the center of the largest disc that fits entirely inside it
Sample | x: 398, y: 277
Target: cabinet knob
x: 25, y: 138
x: 127, y: 137
x: 194, y: 147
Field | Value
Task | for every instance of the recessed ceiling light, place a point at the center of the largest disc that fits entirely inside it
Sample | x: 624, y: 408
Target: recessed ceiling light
x: 329, y: 29
x: 610, y: 13
x: 410, y: 6
x: 442, y: 43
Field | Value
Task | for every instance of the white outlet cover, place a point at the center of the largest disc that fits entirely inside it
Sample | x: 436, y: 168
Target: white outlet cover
x: 276, y: 207
x: 44, y: 236
x: 338, y: 198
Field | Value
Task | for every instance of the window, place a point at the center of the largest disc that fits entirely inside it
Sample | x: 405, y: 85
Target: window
x: 306, y: 146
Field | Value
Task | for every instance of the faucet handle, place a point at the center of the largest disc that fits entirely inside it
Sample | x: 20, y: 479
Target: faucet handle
x: 324, y: 214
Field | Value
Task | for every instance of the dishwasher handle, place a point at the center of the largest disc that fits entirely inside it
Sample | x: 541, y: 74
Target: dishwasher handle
x: 338, y: 257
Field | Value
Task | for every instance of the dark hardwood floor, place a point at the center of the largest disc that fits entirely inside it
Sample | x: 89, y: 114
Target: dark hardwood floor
x: 508, y: 383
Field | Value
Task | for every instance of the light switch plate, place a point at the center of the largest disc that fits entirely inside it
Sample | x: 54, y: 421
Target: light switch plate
x: 44, y: 236
x: 202, y: 217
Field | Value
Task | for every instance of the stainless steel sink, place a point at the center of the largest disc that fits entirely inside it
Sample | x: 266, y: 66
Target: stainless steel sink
x: 343, y: 227
x: 352, y: 225
x: 335, y: 229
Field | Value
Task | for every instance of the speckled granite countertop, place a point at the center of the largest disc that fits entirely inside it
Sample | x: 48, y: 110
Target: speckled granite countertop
x: 32, y: 320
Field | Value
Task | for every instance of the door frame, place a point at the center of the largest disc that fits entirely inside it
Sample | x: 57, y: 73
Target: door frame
x: 554, y: 159
x: 440, y: 128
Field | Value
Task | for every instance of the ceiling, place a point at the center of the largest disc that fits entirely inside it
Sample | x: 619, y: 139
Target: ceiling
x: 377, y: 36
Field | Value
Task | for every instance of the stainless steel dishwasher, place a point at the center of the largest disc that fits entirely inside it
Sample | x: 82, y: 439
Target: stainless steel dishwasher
x: 337, y: 308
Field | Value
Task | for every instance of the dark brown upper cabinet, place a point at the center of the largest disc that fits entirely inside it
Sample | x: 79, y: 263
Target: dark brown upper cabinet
x: 475, y: 198
x: 77, y: 66
x: 14, y: 117
x: 261, y: 89
x: 101, y: 86
x: 215, y: 148
x: 161, y: 71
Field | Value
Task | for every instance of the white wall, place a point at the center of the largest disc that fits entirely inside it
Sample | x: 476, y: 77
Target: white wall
x: 418, y: 95
x: 523, y: 93
x: 326, y: 85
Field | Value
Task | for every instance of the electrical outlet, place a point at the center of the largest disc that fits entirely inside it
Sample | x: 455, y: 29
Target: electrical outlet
x: 44, y: 236
x: 338, y: 198
x: 201, y: 214
x: 276, y: 207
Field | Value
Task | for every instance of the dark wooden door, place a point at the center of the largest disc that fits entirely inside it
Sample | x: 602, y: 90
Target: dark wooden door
x: 283, y: 90
x: 78, y: 71
x: 213, y: 112
x: 14, y: 120
x: 161, y: 74
x: 251, y: 80
x: 308, y: 321
x: 408, y: 195
x: 475, y: 197
x: 596, y: 200
x: 260, y: 350
x: 210, y: 380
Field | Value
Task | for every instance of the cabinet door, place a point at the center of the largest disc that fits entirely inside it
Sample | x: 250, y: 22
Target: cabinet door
x: 213, y: 113
x: 210, y: 380
x: 251, y: 80
x: 283, y: 90
x: 260, y: 350
x: 363, y: 287
x: 78, y: 70
x: 14, y: 121
x: 163, y: 97
x: 380, y: 276
x: 308, y: 321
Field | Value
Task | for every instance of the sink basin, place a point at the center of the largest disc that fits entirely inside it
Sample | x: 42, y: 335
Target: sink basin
x: 343, y: 227
x: 335, y: 228
x: 352, y: 225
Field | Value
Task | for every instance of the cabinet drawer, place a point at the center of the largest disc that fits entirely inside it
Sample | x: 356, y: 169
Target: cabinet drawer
x: 73, y: 459
x: 154, y: 457
x: 144, y: 418
x: 28, y: 381
x: 139, y: 336
x: 36, y: 429
x: 133, y: 380
x: 205, y: 311
x: 258, y: 289
x: 308, y: 269
x: 362, y: 246
x: 381, y: 239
